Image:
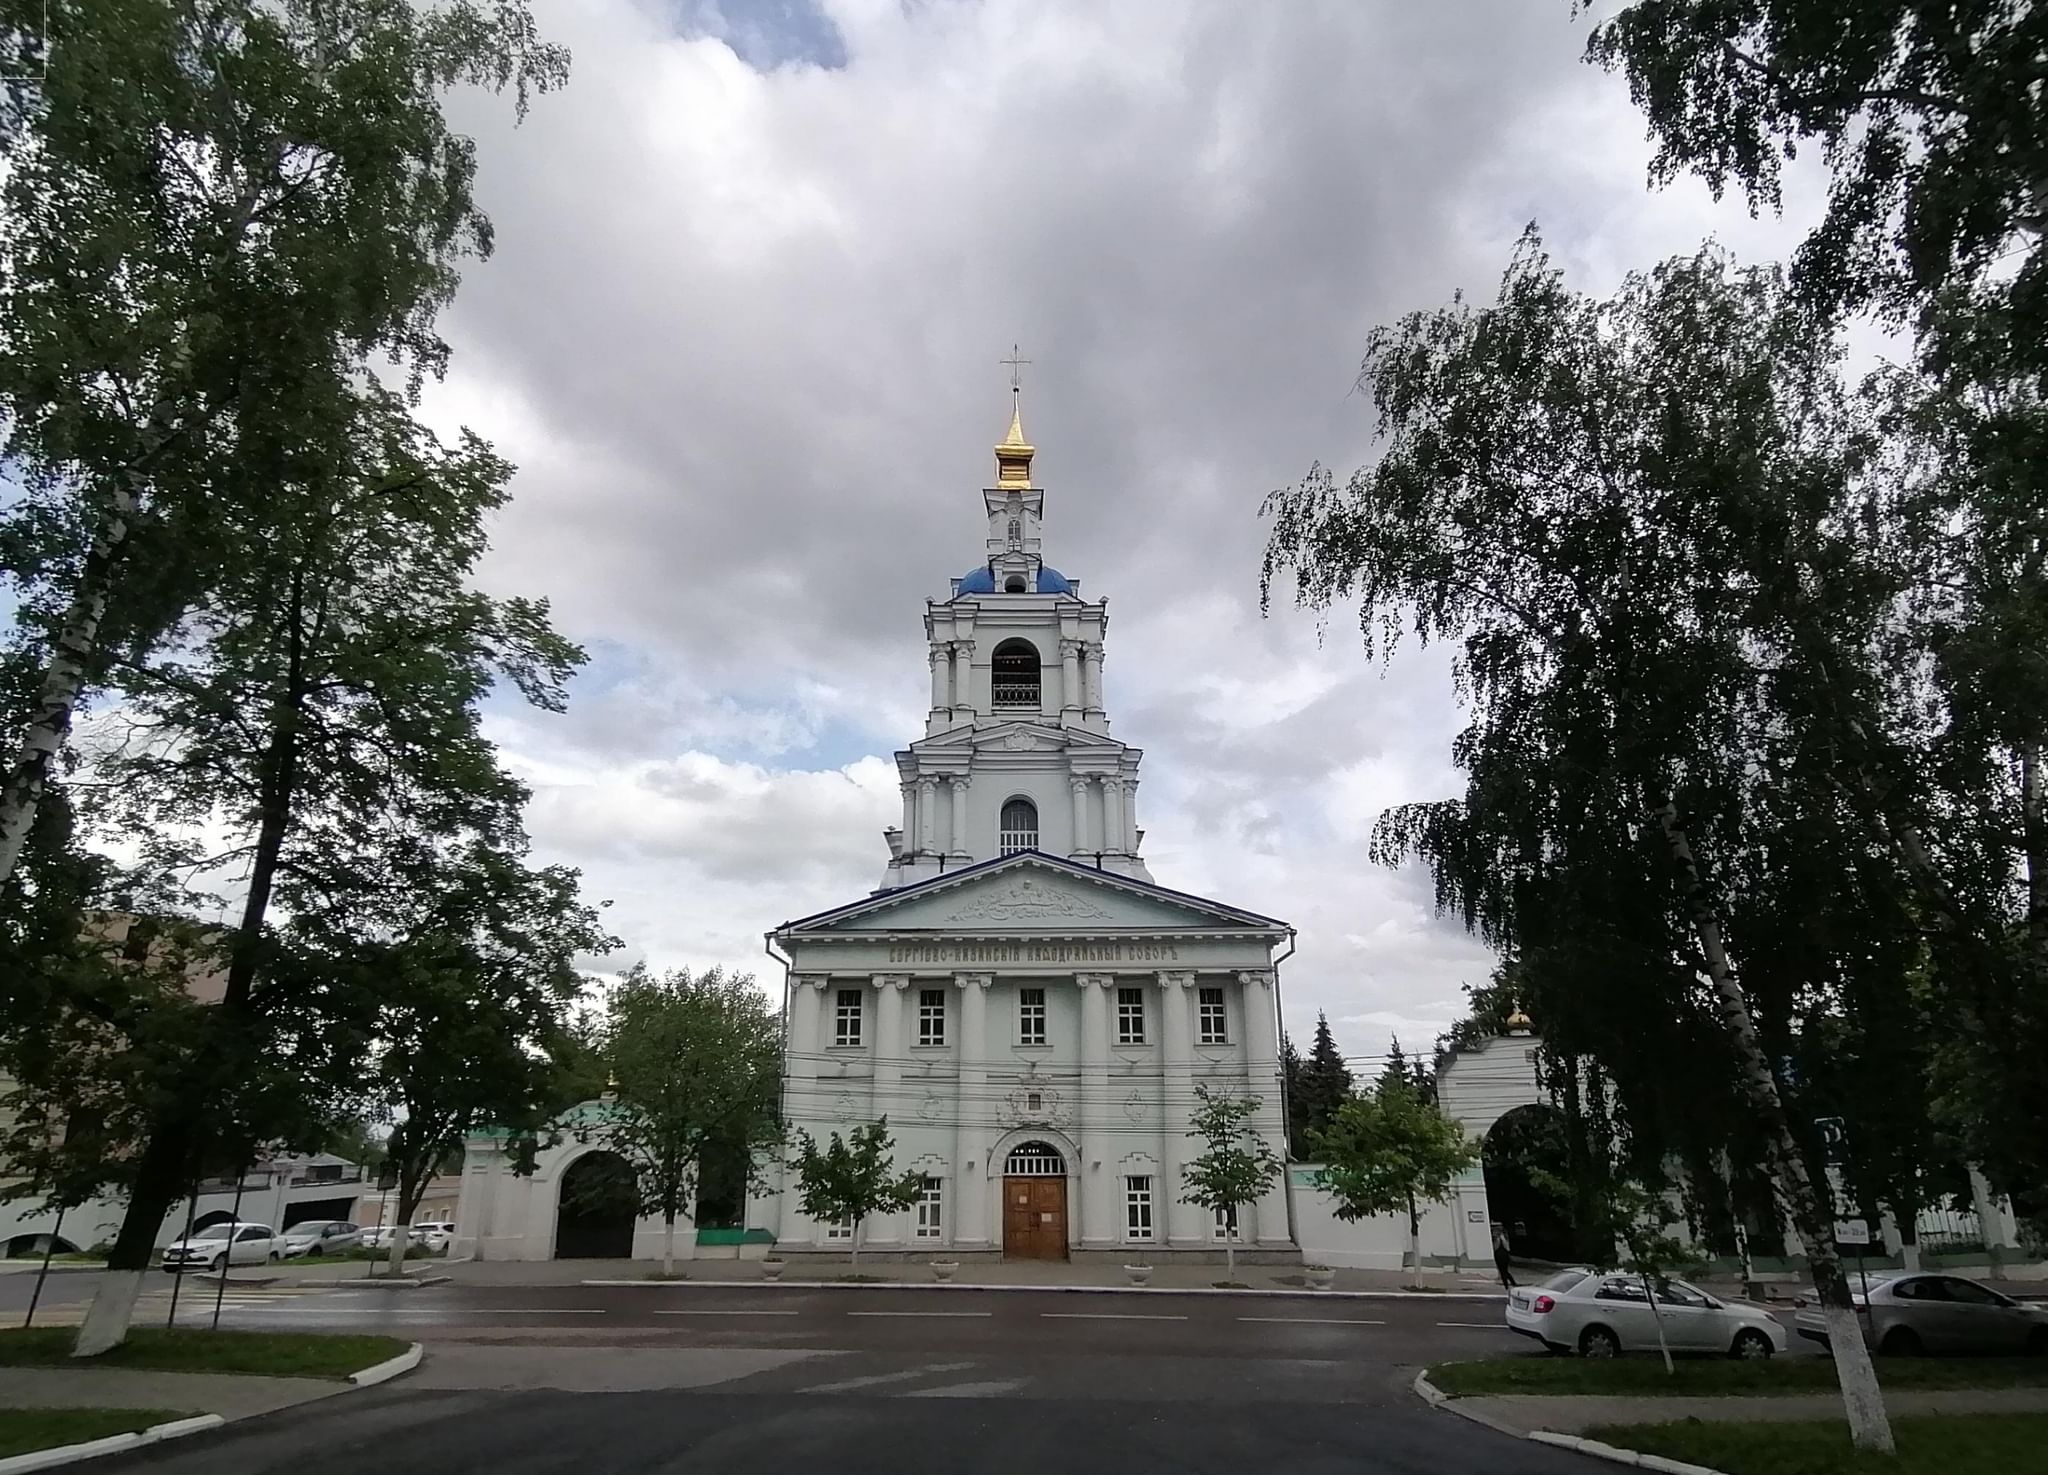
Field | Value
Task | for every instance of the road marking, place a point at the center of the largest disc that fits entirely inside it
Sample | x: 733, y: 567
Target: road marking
x: 849, y: 1384
x: 725, y: 1313
x: 434, y: 1313
x: 1105, y: 1316
x: 1478, y: 1326
x: 968, y: 1390
x: 920, y: 1313
x: 1314, y: 1320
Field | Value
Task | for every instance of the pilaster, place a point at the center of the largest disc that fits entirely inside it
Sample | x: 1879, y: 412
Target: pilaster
x: 1184, y: 1226
x: 971, y: 1172
x: 806, y: 1006
x: 1072, y: 700
x: 927, y: 807
x: 1259, y: 1027
x: 1112, y: 814
x: 1097, y: 1165
x: 887, y: 1080
x: 1077, y: 785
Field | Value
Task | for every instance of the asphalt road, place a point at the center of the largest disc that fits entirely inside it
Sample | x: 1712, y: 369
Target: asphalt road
x: 685, y: 1379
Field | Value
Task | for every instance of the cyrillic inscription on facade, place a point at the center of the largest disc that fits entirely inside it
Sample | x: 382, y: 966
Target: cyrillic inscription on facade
x: 1033, y: 952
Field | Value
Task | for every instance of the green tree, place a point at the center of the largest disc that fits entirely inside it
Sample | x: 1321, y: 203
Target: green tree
x: 216, y: 212
x: 1390, y: 1151
x: 472, y: 985
x: 321, y: 710
x: 850, y: 1178
x: 1235, y: 1167
x: 696, y: 1065
x: 1647, y: 523
x: 1325, y: 1081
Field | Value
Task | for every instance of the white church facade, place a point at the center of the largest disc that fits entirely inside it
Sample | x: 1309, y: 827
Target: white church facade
x: 1029, y: 1010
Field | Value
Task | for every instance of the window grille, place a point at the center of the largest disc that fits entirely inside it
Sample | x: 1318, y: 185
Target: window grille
x: 1035, y: 1160
x: 1138, y: 1208
x: 1014, y: 672
x: 931, y: 1199
x: 1031, y: 1016
x: 1213, y: 1021
x: 931, y: 1016
x: 846, y: 1017
x: 1130, y: 1016
x: 1019, y: 826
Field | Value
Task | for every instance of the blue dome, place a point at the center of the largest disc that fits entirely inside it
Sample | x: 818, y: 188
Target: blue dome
x: 983, y: 581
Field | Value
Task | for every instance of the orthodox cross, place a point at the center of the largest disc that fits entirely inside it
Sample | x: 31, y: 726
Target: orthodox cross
x: 1016, y: 364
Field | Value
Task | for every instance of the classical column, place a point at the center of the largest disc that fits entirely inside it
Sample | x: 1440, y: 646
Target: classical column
x: 1186, y: 1225
x: 1091, y: 681
x: 800, y: 1091
x: 1097, y: 1168
x: 962, y: 654
x: 909, y: 818
x: 1112, y: 813
x: 956, y: 814
x: 941, y: 677
x: 1071, y: 698
x: 927, y: 807
x: 1130, y: 814
x: 1261, y: 1033
x: 887, y: 1081
x: 971, y: 1172
x: 1077, y: 785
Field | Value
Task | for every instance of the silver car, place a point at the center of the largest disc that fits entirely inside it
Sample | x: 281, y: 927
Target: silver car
x: 1905, y: 1315
x: 1605, y: 1313
x: 318, y: 1237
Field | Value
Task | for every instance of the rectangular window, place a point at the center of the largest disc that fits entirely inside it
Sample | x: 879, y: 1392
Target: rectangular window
x: 842, y: 1230
x: 1130, y: 1016
x: 931, y: 1016
x: 846, y: 1017
x: 1224, y: 1225
x: 1212, y: 1023
x: 1031, y: 1016
x: 1138, y: 1208
x: 931, y: 1198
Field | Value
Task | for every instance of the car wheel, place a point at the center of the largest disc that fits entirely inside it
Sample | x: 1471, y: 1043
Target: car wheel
x: 1751, y: 1345
x: 1901, y: 1342
x: 274, y: 1257
x: 1598, y: 1341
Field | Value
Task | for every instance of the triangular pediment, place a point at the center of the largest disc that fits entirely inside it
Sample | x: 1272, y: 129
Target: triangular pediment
x: 1019, y: 737
x: 1031, y: 892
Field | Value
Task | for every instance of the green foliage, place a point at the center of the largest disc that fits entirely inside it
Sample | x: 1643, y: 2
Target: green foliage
x: 695, y: 1067
x: 23, y: 1430
x: 1717, y: 1377
x: 1315, y: 1089
x: 1235, y: 1167
x: 1390, y: 1151
x: 182, y: 1350
x: 852, y: 1177
x: 1965, y: 1444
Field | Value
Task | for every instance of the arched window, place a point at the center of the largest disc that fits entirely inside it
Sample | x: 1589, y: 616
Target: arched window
x: 1020, y: 826
x: 1016, y: 532
x: 1035, y: 1160
x: 1015, y: 585
x: 1015, y: 669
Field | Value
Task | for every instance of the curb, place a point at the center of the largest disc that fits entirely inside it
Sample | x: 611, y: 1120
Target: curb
x: 949, y: 1285
x: 1620, y: 1456
x: 384, y: 1282
x: 1435, y: 1397
x: 383, y: 1372
x: 65, y: 1454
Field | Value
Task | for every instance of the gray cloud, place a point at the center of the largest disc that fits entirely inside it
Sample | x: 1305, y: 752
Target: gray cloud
x: 740, y: 335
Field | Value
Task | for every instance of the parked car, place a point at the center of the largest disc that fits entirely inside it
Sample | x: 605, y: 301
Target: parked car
x: 1605, y: 1313
x: 1907, y: 1314
x: 224, y: 1244
x: 377, y: 1237
x: 319, y: 1237
x: 433, y: 1234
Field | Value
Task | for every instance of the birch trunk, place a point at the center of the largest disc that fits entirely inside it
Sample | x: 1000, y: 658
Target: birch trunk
x: 63, y: 679
x: 1229, y: 1249
x: 107, y: 1318
x: 1657, y: 1315
x: 1862, y: 1399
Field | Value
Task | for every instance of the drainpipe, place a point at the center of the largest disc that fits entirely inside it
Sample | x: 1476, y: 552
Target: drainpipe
x: 782, y: 1086
x: 1280, y: 1032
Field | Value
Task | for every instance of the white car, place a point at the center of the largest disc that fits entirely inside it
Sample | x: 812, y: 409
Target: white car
x: 377, y: 1237
x: 1605, y: 1313
x: 432, y: 1234
x: 1906, y: 1313
x: 318, y: 1237
x: 224, y: 1244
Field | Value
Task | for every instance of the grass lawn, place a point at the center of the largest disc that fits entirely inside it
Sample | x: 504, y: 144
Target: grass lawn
x: 26, y: 1429
x: 1708, y: 1377
x: 1958, y: 1444
x: 161, y: 1349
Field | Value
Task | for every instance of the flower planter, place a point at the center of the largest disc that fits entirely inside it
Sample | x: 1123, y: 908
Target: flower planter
x: 1139, y: 1274
x: 1319, y: 1277
x: 772, y: 1269
x: 944, y: 1269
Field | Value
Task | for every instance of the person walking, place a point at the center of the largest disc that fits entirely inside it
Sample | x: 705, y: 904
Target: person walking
x: 1501, y: 1262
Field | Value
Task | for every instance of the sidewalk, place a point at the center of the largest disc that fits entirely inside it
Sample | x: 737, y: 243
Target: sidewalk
x: 1049, y: 1274
x: 230, y: 1395
x: 1569, y: 1414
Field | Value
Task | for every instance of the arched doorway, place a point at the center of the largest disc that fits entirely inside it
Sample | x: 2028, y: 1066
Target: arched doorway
x: 595, y: 1211
x: 1521, y: 1148
x: 1035, y: 1202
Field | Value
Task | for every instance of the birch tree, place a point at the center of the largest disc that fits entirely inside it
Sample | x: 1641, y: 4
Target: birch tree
x: 1637, y: 520
x: 216, y: 214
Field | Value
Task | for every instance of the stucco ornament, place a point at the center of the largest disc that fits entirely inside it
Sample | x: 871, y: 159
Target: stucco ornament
x: 1028, y: 900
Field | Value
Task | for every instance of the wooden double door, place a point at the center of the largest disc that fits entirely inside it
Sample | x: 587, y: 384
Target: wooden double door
x: 1035, y: 1218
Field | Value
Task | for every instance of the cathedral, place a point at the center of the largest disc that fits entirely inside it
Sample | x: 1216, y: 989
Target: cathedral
x: 1026, y: 1006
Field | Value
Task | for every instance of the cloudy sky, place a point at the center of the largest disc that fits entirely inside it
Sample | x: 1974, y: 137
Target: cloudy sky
x: 756, y: 266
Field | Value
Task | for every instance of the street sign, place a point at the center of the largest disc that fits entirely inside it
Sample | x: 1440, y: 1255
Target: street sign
x: 1852, y: 1232
x: 387, y: 1176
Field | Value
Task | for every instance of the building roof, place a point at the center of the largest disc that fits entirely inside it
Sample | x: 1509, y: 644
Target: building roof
x: 982, y: 580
